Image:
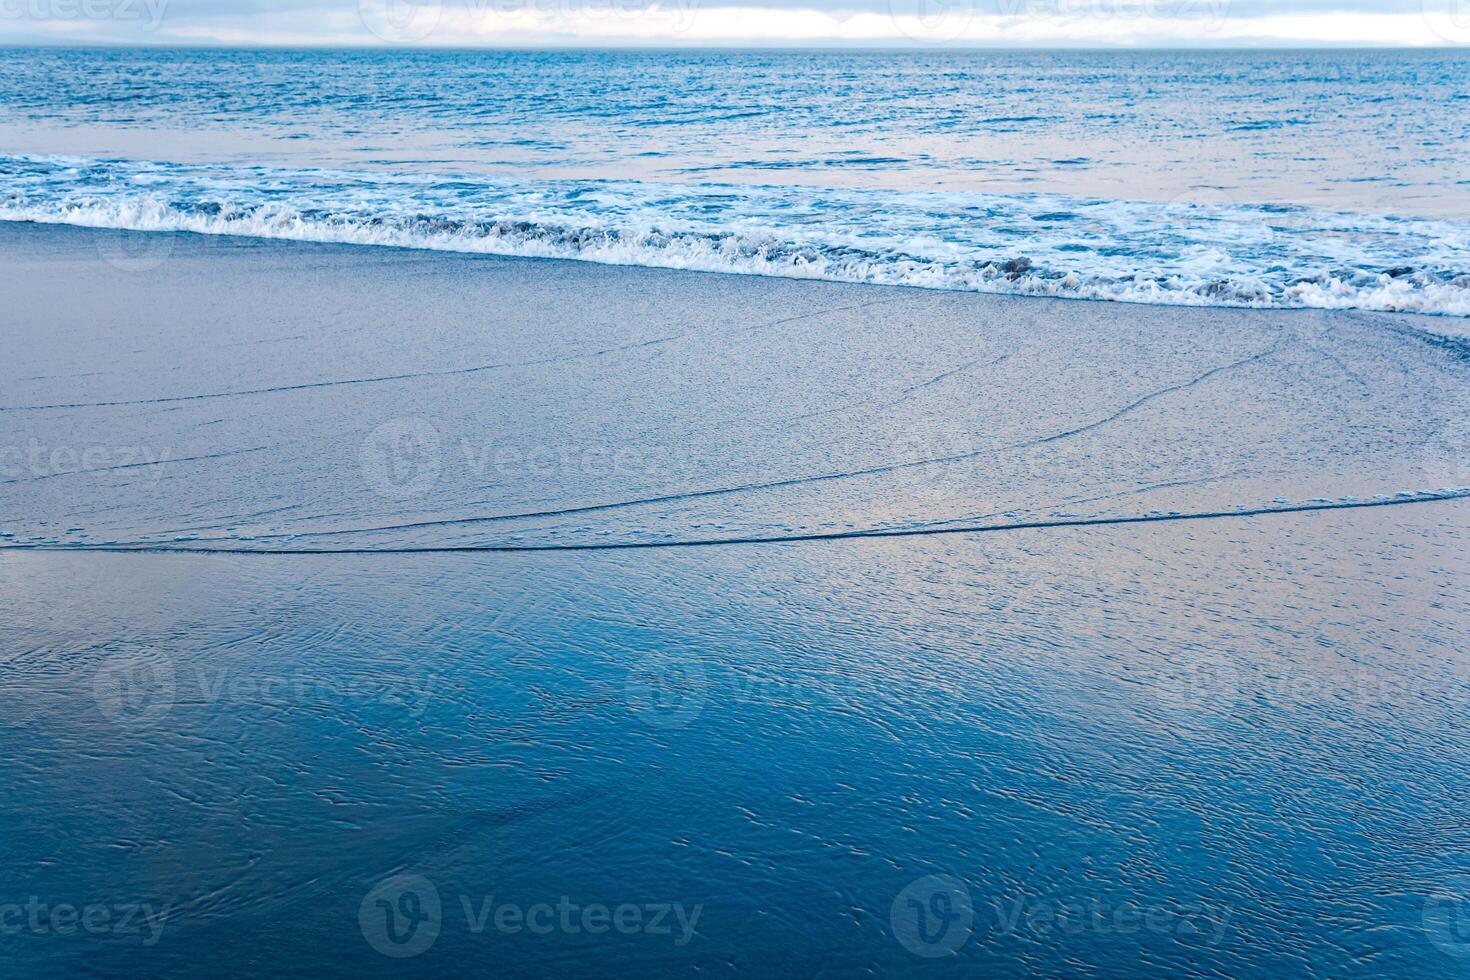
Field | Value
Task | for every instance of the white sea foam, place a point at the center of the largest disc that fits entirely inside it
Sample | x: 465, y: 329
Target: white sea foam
x: 1128, y: 251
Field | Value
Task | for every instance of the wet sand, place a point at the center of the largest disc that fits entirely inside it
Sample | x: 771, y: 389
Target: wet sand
x: 1182, y: 747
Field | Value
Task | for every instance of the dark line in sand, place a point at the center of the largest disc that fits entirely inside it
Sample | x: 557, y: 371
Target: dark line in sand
x: 875, y: 407
x: 228, y: 453
x: 774, y: 539
x: 792, y: 481
x: 414, y: 375
x: 247, y: 392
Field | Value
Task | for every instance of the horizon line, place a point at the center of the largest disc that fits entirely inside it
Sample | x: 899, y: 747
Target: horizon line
x: 774, y: 45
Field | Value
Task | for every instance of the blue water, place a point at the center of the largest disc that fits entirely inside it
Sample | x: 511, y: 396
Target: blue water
x: 1330, y: 180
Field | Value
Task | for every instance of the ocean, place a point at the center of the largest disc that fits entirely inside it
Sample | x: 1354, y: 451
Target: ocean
x: 1268, y: 179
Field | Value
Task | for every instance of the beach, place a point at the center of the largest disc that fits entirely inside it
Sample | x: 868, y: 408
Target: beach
x: 717, y: 618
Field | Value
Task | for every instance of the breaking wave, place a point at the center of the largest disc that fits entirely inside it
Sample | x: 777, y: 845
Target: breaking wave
x: 1176, y: 253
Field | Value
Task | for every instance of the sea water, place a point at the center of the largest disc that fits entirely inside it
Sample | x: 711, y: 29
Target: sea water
x: 1084, y: 640
x: 1268, y: 179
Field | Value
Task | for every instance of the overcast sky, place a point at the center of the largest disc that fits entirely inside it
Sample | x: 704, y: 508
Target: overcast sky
x: 501, y: 23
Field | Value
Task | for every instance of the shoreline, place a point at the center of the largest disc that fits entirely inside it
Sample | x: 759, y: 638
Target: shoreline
x: 1452, y: 325
x: 912, y: 409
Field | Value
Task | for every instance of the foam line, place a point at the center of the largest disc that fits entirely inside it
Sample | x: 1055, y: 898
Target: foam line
x: 1172, y: 253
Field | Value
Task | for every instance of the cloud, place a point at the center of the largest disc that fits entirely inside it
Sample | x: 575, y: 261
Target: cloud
x: 501, y: 23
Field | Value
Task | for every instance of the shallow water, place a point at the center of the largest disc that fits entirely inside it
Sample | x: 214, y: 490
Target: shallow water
x: 1193, y: 746
x: 337, y: 397
x: 1212, y: 750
